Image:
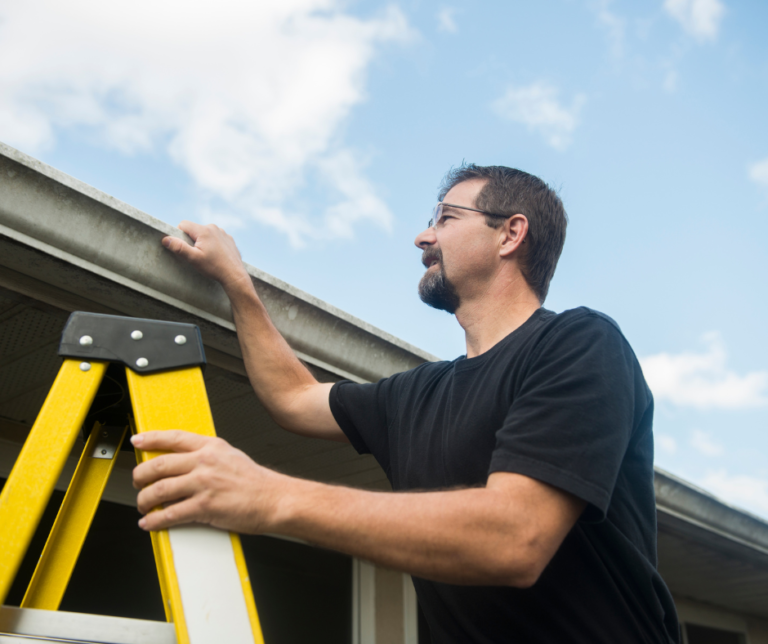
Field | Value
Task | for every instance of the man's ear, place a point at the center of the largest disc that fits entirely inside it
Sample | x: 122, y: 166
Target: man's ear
x: 513, y: 231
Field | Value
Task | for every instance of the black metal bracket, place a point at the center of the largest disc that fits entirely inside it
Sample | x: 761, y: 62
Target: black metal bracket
x: 145, y: 346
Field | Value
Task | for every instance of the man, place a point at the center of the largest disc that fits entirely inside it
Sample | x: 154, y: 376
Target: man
x: 525, y: 506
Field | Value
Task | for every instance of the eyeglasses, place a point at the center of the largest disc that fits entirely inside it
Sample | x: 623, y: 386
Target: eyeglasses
x: 437, y: 213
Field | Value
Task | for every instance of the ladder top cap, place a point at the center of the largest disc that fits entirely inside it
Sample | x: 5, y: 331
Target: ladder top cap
x: 145, y: 346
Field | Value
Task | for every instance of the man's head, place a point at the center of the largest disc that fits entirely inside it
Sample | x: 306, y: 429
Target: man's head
x: 519, y: 203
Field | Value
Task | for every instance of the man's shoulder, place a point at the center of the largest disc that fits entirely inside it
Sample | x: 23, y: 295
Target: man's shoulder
x: 581, y: 321
x: 583, y: 315
x: 423, y: 372
x: 577, y: 332
x: 429, y: 369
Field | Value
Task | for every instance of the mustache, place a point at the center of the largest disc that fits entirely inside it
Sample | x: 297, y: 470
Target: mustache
x: 430, y: 254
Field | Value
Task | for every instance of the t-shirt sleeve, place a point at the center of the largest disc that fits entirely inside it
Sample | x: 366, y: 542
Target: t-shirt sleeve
x: 571, y: 420
x: 364, y: 411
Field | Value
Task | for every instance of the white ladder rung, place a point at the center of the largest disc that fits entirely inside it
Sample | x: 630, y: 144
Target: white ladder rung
x: 19, y: 624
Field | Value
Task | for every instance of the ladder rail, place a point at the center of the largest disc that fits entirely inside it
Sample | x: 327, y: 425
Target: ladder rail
x: 65, y: 541
x: 41, y: 460
x: 177, y: 400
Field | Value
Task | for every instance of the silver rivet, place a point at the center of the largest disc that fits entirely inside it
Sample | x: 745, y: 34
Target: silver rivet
x: 142, y: 362
x: 86, y: 341
x: 103, y: 451
x: 85, y: 366
x: 180, y: 339
x: 137, y: 335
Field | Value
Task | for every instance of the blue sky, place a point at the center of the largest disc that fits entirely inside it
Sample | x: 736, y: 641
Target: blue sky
x: 317, y: 132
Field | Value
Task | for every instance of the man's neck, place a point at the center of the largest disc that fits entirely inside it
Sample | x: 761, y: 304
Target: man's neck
x: 491, y: 317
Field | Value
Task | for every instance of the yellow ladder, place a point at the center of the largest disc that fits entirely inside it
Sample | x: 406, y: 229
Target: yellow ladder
x: 203, y: 577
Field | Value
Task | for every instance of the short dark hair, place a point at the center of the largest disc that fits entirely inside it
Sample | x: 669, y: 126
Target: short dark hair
x: 510, y: 192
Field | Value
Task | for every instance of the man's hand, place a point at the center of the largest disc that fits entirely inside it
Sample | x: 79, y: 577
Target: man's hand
x: 203, y: 480
x: 214, y: 253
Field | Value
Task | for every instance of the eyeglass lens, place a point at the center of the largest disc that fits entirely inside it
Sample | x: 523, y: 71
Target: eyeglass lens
x: 437, y: 212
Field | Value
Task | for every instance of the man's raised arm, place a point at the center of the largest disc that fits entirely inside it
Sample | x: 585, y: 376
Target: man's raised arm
x: 284, y: 385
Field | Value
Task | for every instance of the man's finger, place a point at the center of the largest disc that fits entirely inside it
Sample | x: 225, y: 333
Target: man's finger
x: 169, y: 440
x: 191, y: 228
x: 165, y: 491
x: 161, y: 467
x: 175, y: 514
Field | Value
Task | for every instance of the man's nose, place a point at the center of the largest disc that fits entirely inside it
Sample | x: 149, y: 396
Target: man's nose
x: 425, y: 238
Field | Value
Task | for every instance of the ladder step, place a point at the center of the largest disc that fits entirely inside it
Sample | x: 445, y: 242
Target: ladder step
x: 17, y: 625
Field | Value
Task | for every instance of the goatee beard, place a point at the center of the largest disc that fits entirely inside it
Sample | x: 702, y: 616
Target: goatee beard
x: 435, y: 289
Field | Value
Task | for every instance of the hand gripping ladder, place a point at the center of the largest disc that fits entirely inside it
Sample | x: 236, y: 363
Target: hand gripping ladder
x: 203, y: 578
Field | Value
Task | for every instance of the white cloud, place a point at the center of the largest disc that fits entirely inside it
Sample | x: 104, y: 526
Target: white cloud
x: 758, y: 172
x: 613, y: 24
x: 666, y: 443
x: 704, y: 444
x: 445, y: 21
x: 670, y: 81
x: 226, y: 220
x: 537, y: 107
x: 748, y: 492
x: 360, y: 200
x: 248, y: 97
x: 702, y: 380
x: 700, y: 18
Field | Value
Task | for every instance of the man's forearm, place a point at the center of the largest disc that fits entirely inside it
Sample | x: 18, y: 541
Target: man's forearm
x: 278, y: 377
x: 272, y: 367
x: 470, y: 536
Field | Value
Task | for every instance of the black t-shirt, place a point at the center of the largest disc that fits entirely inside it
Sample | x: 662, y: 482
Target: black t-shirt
x: 562, y: 400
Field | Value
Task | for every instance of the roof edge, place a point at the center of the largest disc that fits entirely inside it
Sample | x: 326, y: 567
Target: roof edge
x: 698, y: 507
x: 38, y: 199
